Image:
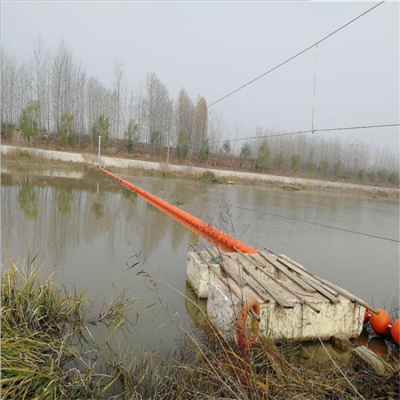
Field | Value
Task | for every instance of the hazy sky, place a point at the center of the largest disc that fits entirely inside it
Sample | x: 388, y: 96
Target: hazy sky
x: 210, y: 48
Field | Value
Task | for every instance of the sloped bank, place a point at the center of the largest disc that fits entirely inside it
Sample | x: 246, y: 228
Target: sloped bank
x: 124, y: 163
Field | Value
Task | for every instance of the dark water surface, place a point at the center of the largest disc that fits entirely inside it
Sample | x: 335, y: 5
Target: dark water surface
x: 93, y: 230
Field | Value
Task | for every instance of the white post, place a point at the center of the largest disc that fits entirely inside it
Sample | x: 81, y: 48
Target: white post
x: 98, y: 154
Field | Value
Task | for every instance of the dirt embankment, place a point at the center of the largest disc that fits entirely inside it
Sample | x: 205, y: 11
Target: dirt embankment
x: 20, y: 154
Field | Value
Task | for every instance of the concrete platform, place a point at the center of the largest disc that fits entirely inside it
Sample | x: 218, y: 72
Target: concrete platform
x: 294, y: 303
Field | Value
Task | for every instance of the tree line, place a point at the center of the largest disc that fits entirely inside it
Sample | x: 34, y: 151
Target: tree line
x: 51, y: 92
x: 327, y: 158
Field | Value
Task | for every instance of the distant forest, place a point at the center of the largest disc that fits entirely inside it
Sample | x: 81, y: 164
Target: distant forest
x: 51, y: 95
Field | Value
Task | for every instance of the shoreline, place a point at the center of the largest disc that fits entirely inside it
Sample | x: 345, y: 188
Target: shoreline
x: 290, y: 183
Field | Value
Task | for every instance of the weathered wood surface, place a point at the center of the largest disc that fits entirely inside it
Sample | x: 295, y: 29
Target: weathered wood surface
x: 269, y: 286
x: 299, y: 296
x: 328, y: 284
x: 274, y: 278
x: 293, y: 277
x: 376, y: 363
x: 232, y: 268
x: 303, y: 274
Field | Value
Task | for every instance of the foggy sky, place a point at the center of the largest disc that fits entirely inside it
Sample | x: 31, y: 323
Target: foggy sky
x: 211, y: 48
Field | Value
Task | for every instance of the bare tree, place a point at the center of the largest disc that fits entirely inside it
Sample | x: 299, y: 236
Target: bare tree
x: 118, y: 88
x: 37, y: 75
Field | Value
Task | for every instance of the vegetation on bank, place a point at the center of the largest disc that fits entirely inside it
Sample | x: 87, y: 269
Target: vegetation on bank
x: 49, y: 101
x: 20, y: 161
x: 46, y: 346
x: 251, y: 159
x: 46, y: 341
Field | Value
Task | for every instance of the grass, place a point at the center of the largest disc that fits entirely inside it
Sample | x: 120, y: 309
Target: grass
x: 45, y: 338
x: 218, y: 369
x: 45, y: 341
x: 21, y: 155
x: 379, y: 193
x: 209, y: 177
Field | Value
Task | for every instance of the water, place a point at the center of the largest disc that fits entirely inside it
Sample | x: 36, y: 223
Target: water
x: 104, y: 239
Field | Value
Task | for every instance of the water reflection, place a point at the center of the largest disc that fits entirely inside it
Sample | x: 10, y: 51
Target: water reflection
x: 195, y: 307
x: 91, y: 237
x: 64, y: 200
x: 28, y: 201
x: 379, y: 346
x: 97, y: 210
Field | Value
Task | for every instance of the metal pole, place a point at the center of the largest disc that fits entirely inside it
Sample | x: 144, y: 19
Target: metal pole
x: 98, y: 154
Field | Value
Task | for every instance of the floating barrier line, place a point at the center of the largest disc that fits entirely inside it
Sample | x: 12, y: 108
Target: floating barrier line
x: 197, y: 223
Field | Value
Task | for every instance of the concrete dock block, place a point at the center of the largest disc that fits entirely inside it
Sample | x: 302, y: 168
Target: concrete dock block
x: 198, y: 273
x: 299, y: 322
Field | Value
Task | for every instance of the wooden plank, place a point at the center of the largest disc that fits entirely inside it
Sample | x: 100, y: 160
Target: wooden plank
x: 280, y: 283
x: 322, y: 290
x: 293, y: 277
x: 234, y: 273
x: 350, y: 297
x: 304, y: 278
x: 300, y: 270
x: 232, y: 268
x: 274, y: 292
x: 304, y: 274
x: 337, y: 289
x: 375, y: 362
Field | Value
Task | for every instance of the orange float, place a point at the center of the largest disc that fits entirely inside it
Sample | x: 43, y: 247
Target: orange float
x: 395, y: 331
x: 251, y: 304
x: 380, y: 323
x: 208, y: 229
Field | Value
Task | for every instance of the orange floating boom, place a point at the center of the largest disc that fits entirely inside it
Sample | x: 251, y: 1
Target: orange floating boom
x: 208, y: 229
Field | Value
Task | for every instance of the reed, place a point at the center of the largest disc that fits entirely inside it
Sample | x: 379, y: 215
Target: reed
x: 43, y: 337
x: 45, y: 341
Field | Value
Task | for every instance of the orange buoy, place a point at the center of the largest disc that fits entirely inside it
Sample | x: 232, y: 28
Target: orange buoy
x: 251, y: 304
x: 395, y: 331
x: 380, y: 323
x: 366, y: 314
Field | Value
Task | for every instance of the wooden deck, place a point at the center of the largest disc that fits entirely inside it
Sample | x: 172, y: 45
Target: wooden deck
x: 273, y: 277
x: 293, y: 301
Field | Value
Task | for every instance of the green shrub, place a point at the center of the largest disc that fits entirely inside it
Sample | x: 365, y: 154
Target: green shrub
x: 66, y: 129
x: 338, y: 170
x: 204, y: 152
x: 295, y: 164
x: 29, y: 120
x: 209, y: 177
x: 263, y: 159
x: 394, y: 178
x: 183, y: 145
x: 324, y: 168
x: 100, y: 128
x: 279, y: 162
x: 131, y: 138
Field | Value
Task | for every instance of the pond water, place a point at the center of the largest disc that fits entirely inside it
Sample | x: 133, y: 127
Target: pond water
x: 104, y: 239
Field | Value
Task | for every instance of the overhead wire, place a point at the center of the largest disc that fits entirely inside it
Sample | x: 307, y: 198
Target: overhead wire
x: 317, y: 224
x: 310, y: 131
x: 289, y: 59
